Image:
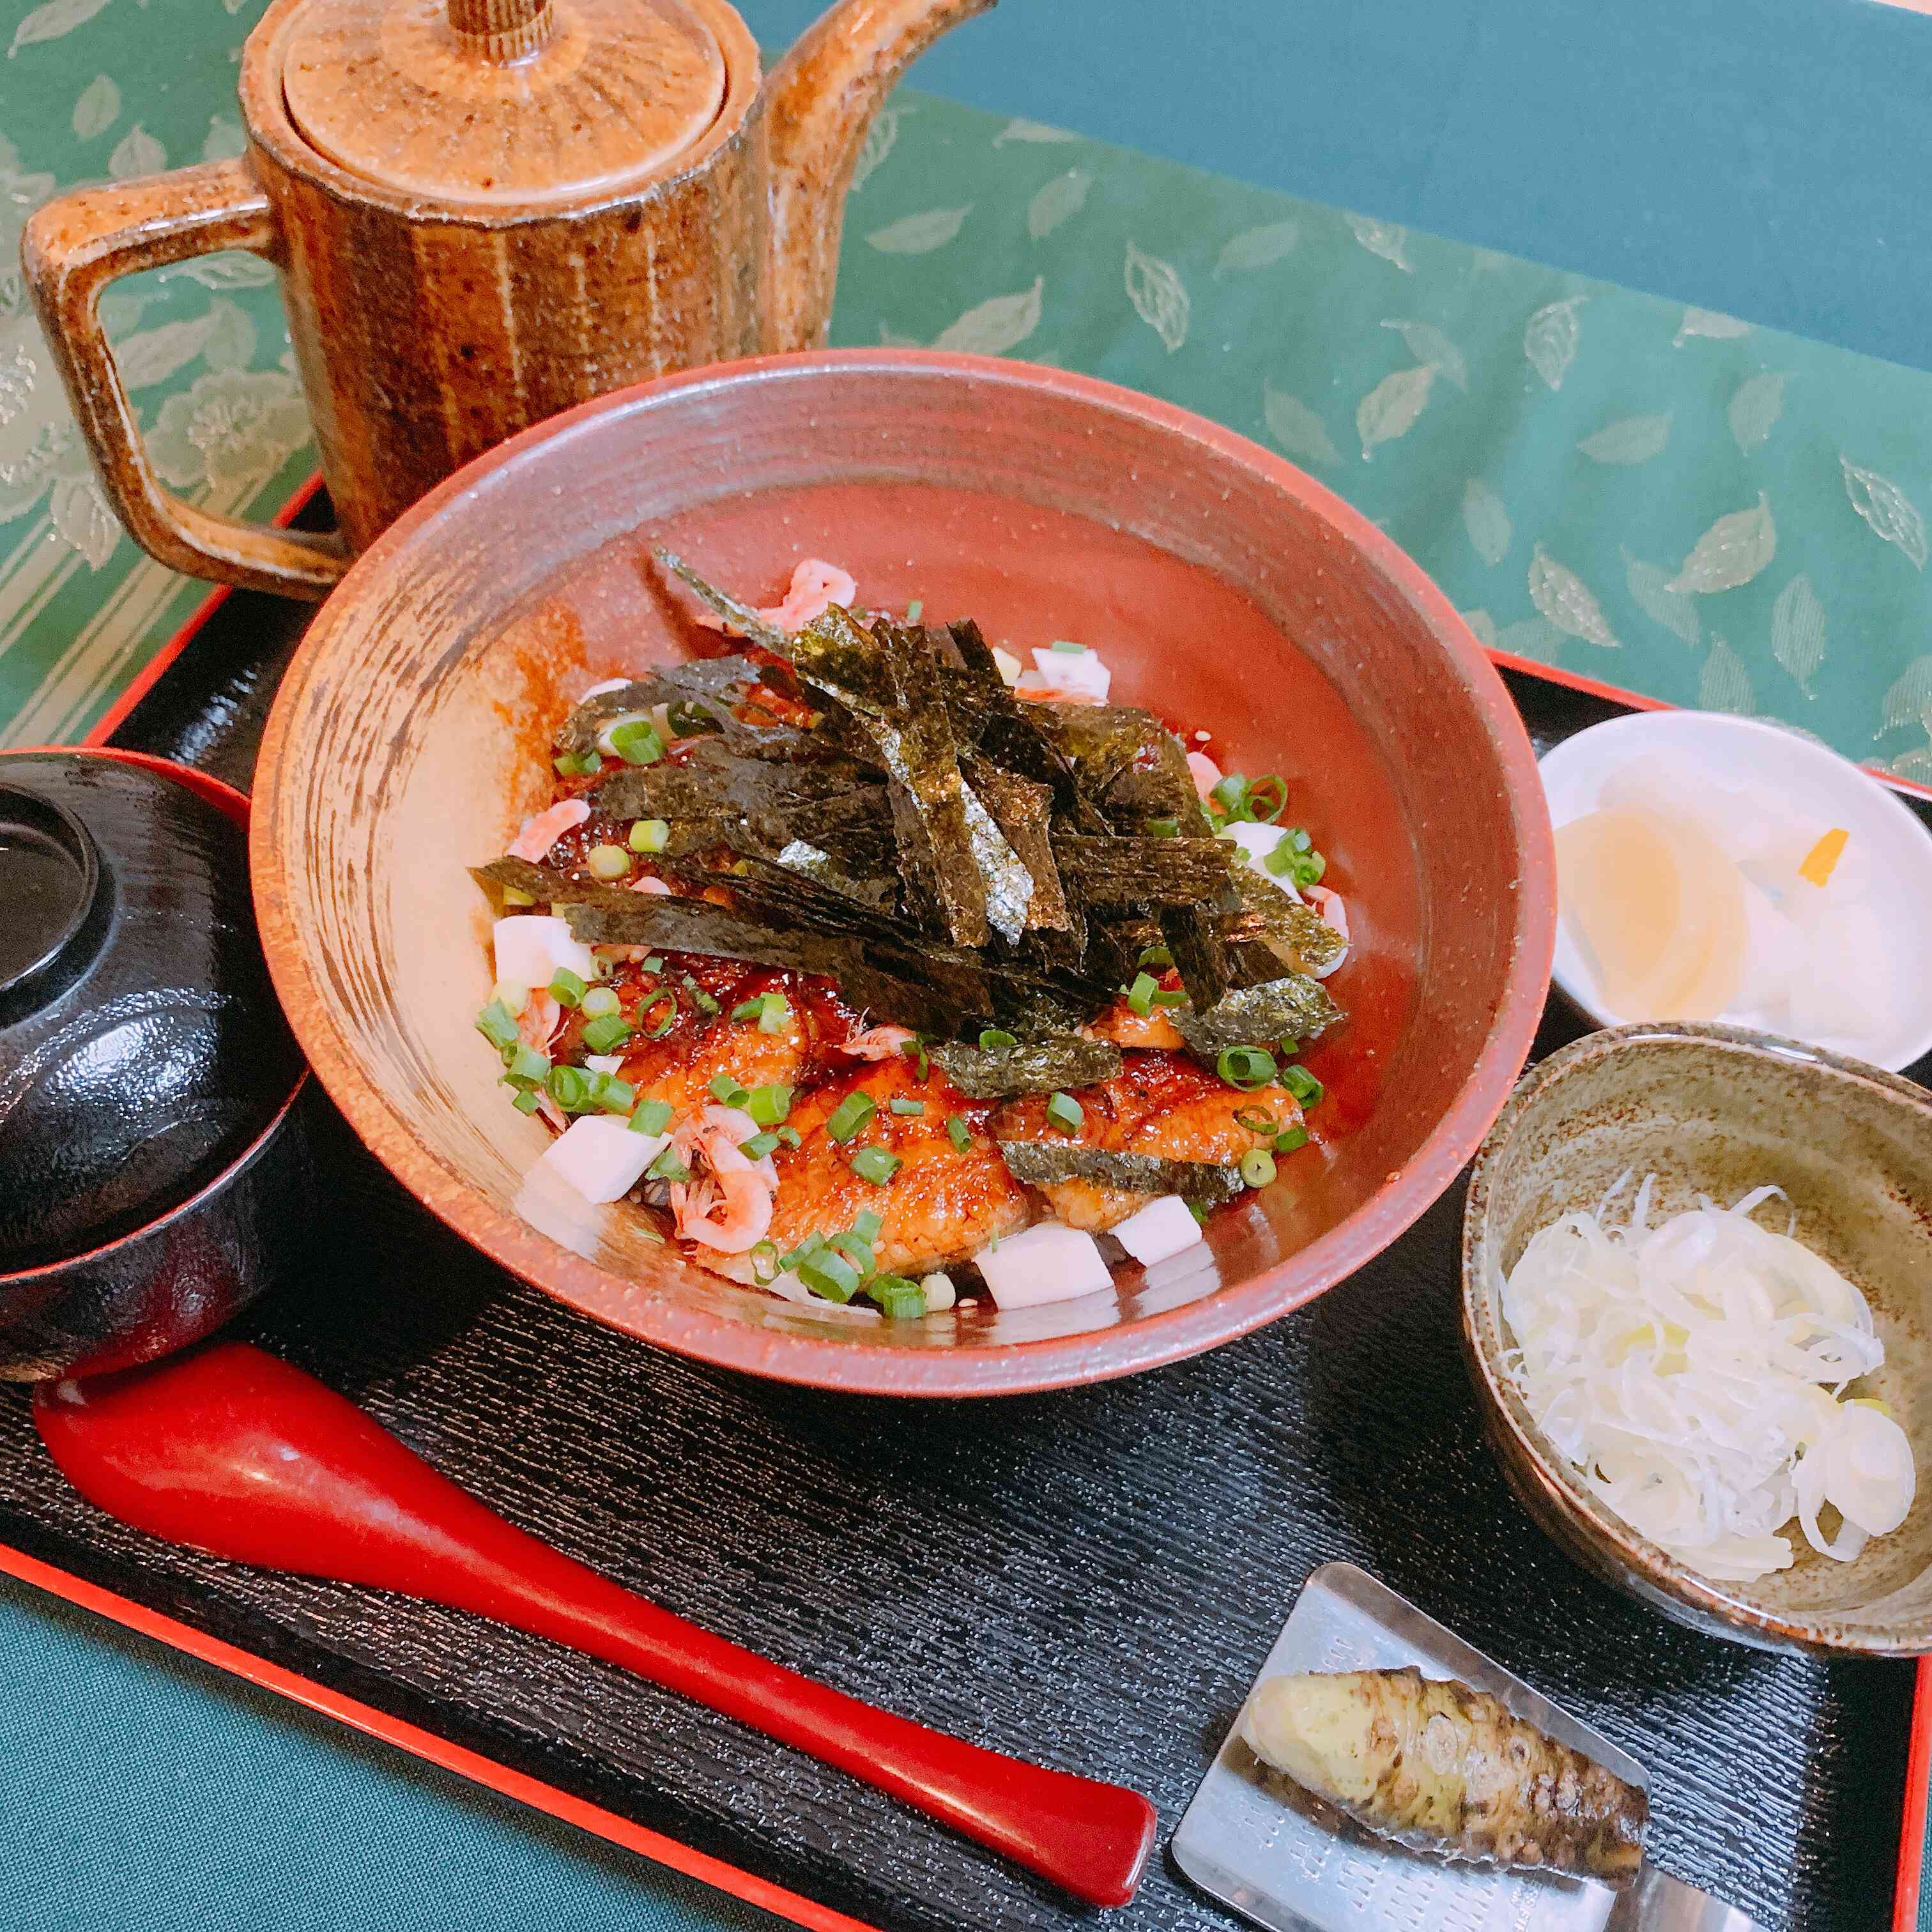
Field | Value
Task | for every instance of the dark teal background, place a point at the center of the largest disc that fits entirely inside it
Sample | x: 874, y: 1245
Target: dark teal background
x: 1765, y: 159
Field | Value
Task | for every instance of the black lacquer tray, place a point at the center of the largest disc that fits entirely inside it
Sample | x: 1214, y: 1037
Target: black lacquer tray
x: 1089, y: 1578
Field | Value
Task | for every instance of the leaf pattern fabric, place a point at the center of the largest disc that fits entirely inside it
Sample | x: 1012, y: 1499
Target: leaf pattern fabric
x: 1607, y: 484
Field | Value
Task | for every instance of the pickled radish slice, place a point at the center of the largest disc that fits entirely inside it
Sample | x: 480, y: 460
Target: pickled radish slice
x: 1660, y: 908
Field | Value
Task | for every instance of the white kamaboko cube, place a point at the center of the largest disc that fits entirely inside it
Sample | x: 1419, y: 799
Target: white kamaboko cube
x: 1161, y: 1228
x: 1045, y: 1263
x: 599, y: 1156
x: 530, y: 949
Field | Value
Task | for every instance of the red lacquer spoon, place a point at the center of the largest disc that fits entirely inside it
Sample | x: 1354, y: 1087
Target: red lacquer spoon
x: 232, y: 1452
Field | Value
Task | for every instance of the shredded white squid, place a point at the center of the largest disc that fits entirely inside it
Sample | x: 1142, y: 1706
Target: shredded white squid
x: 1694, y: 1373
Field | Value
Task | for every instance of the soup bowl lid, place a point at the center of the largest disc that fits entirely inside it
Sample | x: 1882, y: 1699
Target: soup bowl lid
x: 142, y: 1050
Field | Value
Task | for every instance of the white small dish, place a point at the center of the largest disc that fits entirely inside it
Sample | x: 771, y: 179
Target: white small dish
x: 1812, y: 782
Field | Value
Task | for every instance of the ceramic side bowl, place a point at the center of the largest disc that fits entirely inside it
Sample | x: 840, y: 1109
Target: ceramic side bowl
x: 1716, y: 1111
x: 1228, y: 591
x: 149, y: 1151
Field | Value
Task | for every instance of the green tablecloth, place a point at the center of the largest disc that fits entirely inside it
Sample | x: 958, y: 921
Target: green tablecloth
x: 1741, y: 511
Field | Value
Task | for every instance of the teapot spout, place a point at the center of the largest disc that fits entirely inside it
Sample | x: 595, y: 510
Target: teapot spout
x: 821, y: 102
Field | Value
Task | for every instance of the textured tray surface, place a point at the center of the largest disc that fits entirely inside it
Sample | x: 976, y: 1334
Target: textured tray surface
x: 1089, y: 1578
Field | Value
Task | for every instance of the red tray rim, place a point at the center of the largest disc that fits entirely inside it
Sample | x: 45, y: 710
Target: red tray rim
x: 609, y: 1824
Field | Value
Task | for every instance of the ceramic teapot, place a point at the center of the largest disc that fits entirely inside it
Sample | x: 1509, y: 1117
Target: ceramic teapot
x: 482, y: 212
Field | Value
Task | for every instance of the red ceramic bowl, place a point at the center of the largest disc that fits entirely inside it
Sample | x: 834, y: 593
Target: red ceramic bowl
x: 1230, y: 593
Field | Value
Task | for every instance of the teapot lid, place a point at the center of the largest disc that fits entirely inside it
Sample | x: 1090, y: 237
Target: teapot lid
x: 497, y: 103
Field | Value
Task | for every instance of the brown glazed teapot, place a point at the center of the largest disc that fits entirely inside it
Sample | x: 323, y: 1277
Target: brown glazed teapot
x: 482, y: 212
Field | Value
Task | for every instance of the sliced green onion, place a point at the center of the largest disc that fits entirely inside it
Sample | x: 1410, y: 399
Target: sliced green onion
x: 875, y: 1164
x: 915, y: 1050
x: 790, y: 1136
x: 915, y: 610
x: 1158, y: 957
x: 747, y: 1010
x: 768, y: 1105
x: 1140, y: 994
x: 1171, y: 996
x: 958, y: 1132
x: 668, y: 1167
x: 497, y: 1024
x: 850, y: 1115
x: 700, y: 998
x: 1065, y: 1112
x: 1246, y: 1066
x: 615, y: 1096
x: 1287, y: 1140
x: 764, y: 1257
x: 866, y: 1225
x: 857, y: 1251
x: 652, y: 1116
x: 1231, y: 795
x: 655, y: 964
x: 570, y: 1088
x: 566, y: 988
x: 525, y: 1067
x: 526, y: 1101
x: 569, y: 765
x: 598, y: 1001
x: 515, y: 896
x: 1299, y: 839
x: 663, y: 997
x: 1199, y: 1209
x: 1163, y: 828
x: 1309, y: 870
x: 1066, y: 644
x: 1258, y: 1167
x: 829, y: 1275
x: 1257, y: 1120
x: 607, y: 1032
x: 900, y: 1106
x: 1266, y: 798
x: 758, y: 1146
x: 650, y: 835
x: 1280, y: 860
x: 1304, y: 1085
x: 638, y: 743
x: 774, y: 1010
x: 608, y: 862
x: 727, y: 1091
x: 992, y: 1036
x: 899, y: 1299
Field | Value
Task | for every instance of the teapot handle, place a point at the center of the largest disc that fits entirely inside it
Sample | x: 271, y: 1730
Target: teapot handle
x: 74, y: 246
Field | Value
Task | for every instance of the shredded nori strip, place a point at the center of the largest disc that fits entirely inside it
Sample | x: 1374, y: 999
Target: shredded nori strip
x: 926, y: 997
x: 1023, y: 811
x: 727, y: 606
x: 1293, y: 1007
x: 1042, y: 1163
x: 1032, y: 1066
x: 1145, y: 873
x: 1268, y: 914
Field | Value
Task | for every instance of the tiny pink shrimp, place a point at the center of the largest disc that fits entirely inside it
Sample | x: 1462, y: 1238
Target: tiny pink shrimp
x: 650, y: 882
x: 551, y: 1112
x: 1207, y: 773
x: 1335, y: 915
x: 538, y: 1022
x: 815, y: 587
x: 1052, y: 693
x: 729, y: 1207
x: 878, y: 1042
x: 542, y: 831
